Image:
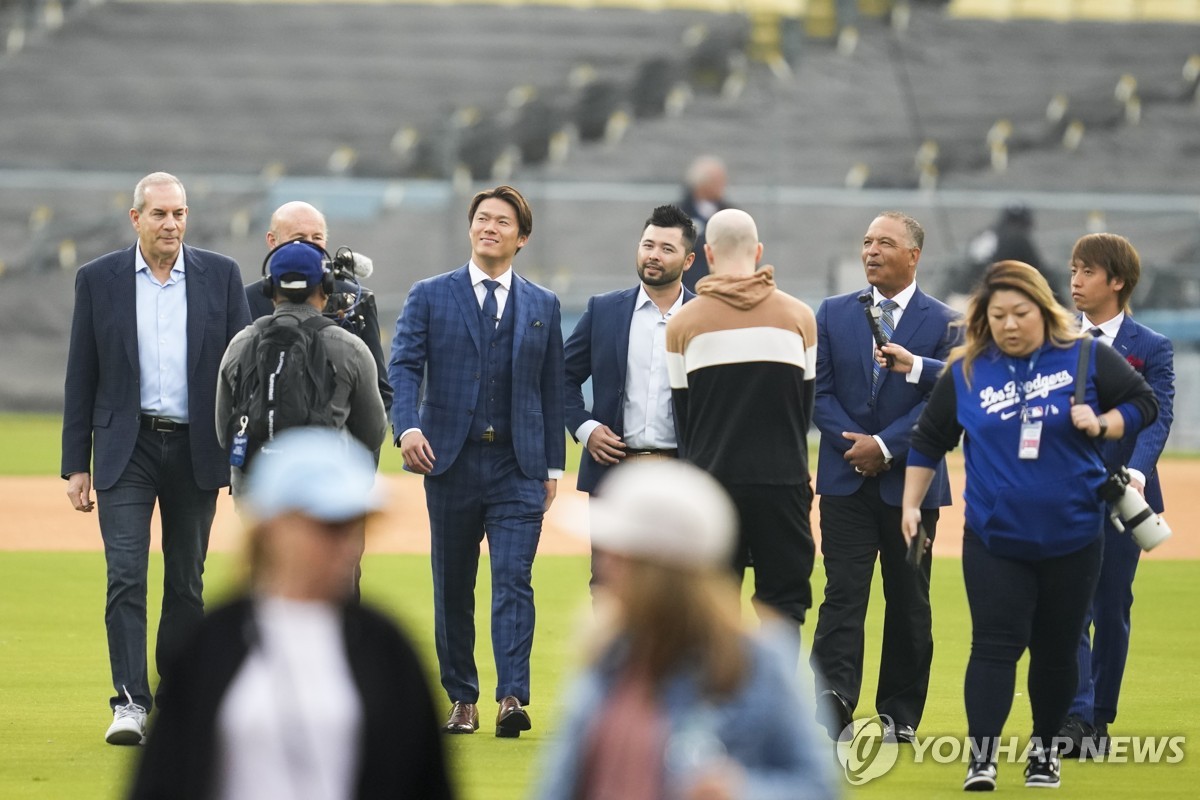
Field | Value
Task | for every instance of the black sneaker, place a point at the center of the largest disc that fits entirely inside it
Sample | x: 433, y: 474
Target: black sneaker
x: 981, y: 777
x: 1042, y: 770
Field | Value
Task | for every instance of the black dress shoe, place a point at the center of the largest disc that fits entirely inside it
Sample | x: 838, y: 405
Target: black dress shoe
x: 1072, y: 735
x: 464, y: 718
x: 837, y: 712
x: 511, y: 719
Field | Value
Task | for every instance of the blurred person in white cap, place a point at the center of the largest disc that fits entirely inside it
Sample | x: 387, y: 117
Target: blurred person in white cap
x: 291, y: 690
x: 679, y: 700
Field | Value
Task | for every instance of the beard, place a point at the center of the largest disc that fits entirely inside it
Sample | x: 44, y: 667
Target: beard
x: 665, y: 275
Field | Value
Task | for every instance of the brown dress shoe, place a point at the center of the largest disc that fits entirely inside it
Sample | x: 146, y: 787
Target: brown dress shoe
x: 512, y: 719
x: 464, y: 718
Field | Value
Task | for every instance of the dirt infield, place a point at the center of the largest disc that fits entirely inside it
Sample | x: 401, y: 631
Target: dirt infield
x: 39, y: 517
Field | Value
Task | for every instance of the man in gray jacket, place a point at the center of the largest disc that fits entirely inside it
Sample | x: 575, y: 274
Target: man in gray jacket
x: 299, y: 283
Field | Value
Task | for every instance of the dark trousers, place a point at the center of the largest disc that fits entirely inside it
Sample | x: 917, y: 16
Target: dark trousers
x: 1102, y: 656
x: 484, y: 493
x: 854, y: 531
x: 159, y: 470
x: 1039, y: 605
x: 775, y: 537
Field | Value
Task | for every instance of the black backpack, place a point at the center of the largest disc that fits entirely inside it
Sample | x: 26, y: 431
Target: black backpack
x: 283, y: 380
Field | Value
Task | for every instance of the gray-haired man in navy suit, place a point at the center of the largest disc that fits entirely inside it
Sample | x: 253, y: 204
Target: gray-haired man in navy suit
x: 150, y: 325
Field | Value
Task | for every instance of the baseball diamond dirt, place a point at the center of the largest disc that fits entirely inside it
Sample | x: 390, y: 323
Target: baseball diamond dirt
x: 38, y: 517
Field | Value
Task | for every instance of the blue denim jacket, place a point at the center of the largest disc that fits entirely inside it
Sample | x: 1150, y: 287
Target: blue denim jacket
x: 768, y: 726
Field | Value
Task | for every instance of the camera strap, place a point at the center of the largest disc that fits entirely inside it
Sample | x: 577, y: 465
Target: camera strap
x: 1085, y: 349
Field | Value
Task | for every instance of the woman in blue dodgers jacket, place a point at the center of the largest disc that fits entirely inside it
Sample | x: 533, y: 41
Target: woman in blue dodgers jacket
x: 1033, y: 539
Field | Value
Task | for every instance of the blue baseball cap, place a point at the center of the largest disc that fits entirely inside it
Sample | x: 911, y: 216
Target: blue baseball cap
x: 297, y: 265
x: 318, y: 472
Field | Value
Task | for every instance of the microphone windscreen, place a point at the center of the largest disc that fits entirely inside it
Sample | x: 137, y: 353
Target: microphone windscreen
x: 363, y: 266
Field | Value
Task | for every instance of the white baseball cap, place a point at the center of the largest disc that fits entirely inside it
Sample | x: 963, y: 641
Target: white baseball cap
x: 667, y: 511
x: 319, y: 472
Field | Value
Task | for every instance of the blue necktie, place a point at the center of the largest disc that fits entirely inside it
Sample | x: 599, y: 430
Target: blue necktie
x: 1096, y: 332
x: 490, y: 309
x: 889, y: 327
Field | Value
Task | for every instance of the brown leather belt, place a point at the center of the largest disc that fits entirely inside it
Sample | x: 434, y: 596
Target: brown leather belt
x: 654, y: 453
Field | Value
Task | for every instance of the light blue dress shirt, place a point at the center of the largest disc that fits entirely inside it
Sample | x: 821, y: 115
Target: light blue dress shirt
x: 162, y: 340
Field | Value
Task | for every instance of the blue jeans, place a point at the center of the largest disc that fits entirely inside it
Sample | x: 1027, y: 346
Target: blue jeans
x: 160, y: 469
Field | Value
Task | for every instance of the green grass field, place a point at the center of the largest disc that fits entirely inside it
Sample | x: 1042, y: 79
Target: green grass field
x: 54, y: 672
x: 53, y: 665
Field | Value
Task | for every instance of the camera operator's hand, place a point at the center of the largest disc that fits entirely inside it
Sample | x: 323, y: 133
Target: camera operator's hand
x: 902, y: 359
x: 910, y: 518
x: 418, y: 455
x: 79, y: 491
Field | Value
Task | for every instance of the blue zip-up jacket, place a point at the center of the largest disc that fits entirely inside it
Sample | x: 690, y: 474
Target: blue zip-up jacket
x: 1030, y: 508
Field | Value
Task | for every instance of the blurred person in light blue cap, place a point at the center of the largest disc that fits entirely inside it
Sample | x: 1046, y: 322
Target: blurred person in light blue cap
x: 292, y: 689
x: 679, y: 700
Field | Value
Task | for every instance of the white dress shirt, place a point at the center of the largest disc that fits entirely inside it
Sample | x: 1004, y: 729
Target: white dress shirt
x: 648, y: 417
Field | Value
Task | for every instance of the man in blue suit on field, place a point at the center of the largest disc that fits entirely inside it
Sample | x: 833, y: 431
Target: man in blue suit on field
x: 620, y: 343
x: 1104, y: 271
x: 865, y: 412
x: 149, y: 328
x: 486, y: 347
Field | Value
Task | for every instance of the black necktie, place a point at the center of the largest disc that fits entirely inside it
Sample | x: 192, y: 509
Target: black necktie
x: 490, y: 309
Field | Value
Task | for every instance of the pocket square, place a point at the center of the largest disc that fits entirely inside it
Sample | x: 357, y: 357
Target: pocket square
x: 537, y: 323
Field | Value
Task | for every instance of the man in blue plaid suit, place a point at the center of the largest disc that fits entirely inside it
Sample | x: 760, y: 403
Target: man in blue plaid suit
x: 486, y: 431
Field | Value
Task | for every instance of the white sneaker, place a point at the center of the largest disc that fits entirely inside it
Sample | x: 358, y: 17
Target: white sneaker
x: 128, y: 725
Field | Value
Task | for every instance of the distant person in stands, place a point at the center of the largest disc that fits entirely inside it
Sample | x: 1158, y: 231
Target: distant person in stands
x: 1104, y: 271
x: 1009, y: 238
x: 292, y: 690
x: 679, y: 700
x: 704, y: 195
x: 300, y: 221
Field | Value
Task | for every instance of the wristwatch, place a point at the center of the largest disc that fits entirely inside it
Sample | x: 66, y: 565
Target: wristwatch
x: 1103, y: 427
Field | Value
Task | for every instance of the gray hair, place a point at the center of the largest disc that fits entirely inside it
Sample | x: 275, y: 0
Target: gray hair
x: 154, y: 179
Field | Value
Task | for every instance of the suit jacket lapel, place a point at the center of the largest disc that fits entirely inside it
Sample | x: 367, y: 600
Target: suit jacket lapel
x: 623, y: 320
x: 122, y: 300
x: 196, y: 280
x: 1123, y: 341
x: 464, y: 296
x: 525, y: 314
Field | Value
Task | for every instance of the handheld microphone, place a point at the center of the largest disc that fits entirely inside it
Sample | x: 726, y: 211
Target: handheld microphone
x: 873, y: 314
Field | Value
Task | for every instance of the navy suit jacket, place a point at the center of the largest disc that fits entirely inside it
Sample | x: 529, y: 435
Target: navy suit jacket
x: 599, y: 348
x: 1152, y: 355
x: 843, y: 399
x: 102, y: 396
x: 437, y: 348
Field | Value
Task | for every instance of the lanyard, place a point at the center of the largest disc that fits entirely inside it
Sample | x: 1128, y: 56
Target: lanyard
x: 1021, y: 384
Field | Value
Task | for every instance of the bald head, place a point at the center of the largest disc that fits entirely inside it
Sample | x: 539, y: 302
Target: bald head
x: 297, y: 220
x: 732, y: 244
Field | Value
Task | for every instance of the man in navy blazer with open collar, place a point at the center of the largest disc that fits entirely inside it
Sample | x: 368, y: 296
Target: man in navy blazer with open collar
x: 140, y: 457
x: 1105, y: 269
x: 598, y: 348
x: 492, y: 459
x: 861, y: 484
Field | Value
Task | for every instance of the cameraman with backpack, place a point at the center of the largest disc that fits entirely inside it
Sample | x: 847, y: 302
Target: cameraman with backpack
x: 296, y: 367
